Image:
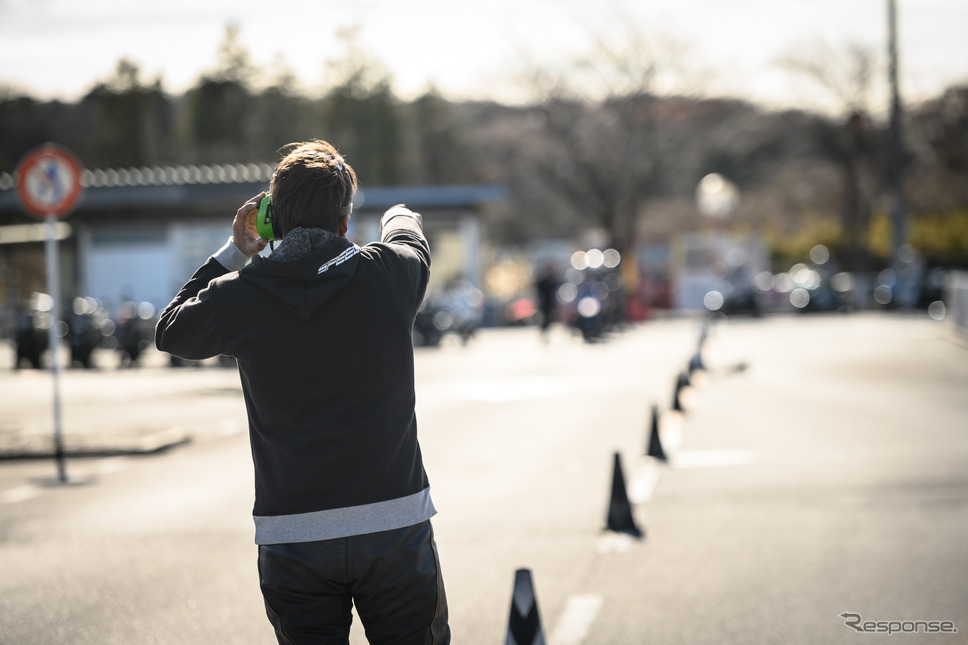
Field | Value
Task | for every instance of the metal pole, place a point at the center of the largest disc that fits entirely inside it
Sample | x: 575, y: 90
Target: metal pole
x: 899, y: 201
x: 53, y: 342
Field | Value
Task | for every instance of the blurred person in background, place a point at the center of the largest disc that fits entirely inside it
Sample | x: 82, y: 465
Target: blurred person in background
x: 546, y: 285
x: 321, y: 330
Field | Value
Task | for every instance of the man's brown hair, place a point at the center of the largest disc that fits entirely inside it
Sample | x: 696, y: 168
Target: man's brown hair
x: 311, y: 186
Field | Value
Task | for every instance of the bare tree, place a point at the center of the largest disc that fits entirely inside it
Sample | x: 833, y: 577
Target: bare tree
x: 603, y: 146
x: 846, y: 77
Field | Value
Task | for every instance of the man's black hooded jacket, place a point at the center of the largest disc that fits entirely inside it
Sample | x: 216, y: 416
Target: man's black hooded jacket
x: 322, y: 332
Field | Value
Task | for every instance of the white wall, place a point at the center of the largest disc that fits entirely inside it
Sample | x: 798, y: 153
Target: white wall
x: 143, y: 263
x: 123, y: 264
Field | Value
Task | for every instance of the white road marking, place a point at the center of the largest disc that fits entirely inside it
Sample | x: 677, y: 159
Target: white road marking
x: 576, y: 619
x: 710, y: 458
x: 612, y: 542
x: 643, y: 483
x: 19, y: 494
x: 520, y: 388
x: 671, y: 430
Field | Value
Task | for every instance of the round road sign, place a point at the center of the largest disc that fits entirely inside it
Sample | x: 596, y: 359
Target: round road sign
x: 49, y: 181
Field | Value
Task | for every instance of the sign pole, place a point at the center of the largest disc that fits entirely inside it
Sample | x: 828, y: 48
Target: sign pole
x: 53, y: 341
x: 49, y: 186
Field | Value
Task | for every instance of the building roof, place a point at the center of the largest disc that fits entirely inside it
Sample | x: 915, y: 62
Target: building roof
x: 204, y: 188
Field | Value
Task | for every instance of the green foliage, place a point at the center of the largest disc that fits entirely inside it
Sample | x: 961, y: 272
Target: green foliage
x: 22, y: 125
x: 217, y: 111
x: 361, y: 115
x: 365, y: 124
x: 233, y: 64
x: 133, y: 120
x: 282, y: 118
x: 444, y: 150
x: 788, y: 249
x: 942, y: 238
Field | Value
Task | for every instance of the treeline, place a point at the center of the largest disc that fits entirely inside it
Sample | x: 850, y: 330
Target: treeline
x: 626, y: 160
x: 123, y: 123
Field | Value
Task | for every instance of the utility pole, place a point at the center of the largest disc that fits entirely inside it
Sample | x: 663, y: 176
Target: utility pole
x: 898, y: 160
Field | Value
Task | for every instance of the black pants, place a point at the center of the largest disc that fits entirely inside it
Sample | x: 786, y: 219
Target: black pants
x: 393, y: 577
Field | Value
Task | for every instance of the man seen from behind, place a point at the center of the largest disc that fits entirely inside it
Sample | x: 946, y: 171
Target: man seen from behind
x: 322, y: 332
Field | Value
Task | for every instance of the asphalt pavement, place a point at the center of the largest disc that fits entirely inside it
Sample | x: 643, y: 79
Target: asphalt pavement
x: 111, y: 409
x: 816, y: 489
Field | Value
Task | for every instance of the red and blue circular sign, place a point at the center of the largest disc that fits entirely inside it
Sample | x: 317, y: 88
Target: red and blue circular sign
x: 49, y: 181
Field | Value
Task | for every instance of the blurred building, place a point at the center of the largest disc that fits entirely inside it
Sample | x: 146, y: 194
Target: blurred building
x: 137, y: 234
x: 715, y: 265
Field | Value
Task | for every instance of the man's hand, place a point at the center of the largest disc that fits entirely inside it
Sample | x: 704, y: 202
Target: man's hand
x: 244, y: 232
x: 396, y: 211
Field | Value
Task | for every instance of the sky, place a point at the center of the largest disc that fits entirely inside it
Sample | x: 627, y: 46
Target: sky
x: 61, y: 48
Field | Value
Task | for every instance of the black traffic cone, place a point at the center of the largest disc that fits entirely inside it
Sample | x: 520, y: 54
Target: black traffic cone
x: 654, y: 448
x: 682, y: 381
x: 524, y: 624
x: 696, y: 363
x: 620, y: 517
x: 704, y: 332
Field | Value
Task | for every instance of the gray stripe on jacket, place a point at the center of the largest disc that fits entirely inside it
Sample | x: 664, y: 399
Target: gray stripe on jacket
x: 344, y: 522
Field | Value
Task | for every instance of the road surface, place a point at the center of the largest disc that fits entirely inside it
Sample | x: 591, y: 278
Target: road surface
x: 820, y: 469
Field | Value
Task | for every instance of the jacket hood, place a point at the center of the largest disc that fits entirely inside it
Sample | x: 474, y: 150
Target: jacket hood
x: 308, y: 268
